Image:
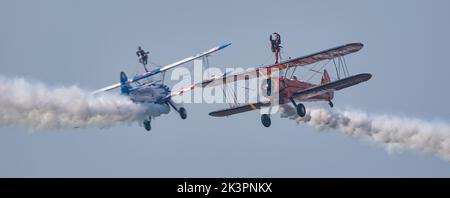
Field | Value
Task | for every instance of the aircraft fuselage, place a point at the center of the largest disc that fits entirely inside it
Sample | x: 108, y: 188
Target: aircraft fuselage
x: 288, y: 87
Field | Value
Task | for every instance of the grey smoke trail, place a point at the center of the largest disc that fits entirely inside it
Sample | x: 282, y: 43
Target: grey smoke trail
x: 34, y: 105
x: 394, y: 132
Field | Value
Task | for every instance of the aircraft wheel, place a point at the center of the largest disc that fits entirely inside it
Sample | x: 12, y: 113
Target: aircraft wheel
x: 183, y: 113
x: 331, y: 104
x: 301, y: 110
x: 147, y: 125
x: 265, y: 119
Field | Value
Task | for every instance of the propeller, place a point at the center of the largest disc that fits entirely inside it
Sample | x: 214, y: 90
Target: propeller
x: 269, y: 87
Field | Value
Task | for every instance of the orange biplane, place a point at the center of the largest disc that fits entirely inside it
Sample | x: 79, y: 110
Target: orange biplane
x: 291, y: 90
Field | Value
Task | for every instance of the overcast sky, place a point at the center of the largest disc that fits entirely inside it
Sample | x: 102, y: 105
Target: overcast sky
x: 87, y: 43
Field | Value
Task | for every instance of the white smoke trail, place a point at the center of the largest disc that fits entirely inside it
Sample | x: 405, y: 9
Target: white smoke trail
x: 34, y: 105
x: 394, y: 132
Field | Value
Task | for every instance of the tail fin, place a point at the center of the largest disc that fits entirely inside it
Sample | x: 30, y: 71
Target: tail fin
x: 326, y: 79
x: 124, y: 84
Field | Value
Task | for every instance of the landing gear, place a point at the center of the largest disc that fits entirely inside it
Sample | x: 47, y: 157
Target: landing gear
x: 147, y: 125
x: 183, y: 113
x: 265, y: 119
x: 301, y: 110
x: 331, y: 104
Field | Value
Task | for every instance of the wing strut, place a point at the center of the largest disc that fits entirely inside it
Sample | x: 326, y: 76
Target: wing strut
x: 340, y: 65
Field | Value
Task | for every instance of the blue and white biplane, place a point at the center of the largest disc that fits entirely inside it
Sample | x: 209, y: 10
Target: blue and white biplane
x: 154, y: 95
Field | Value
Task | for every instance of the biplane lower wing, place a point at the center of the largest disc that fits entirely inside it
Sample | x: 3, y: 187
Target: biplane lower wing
x: 239, y: 109
x: 332, y: 86
x: 300, y: 61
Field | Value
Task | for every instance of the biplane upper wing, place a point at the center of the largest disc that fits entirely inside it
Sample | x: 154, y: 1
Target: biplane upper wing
x: 300, y: 61
x: 257, y: 72
x: 332, y: 86
x: 178, y: 63
x: 164, y: 68
x: 239, y: 109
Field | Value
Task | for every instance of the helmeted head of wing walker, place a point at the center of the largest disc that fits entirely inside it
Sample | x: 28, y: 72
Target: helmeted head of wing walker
x: 139, y: 48
x: 276, y: 36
